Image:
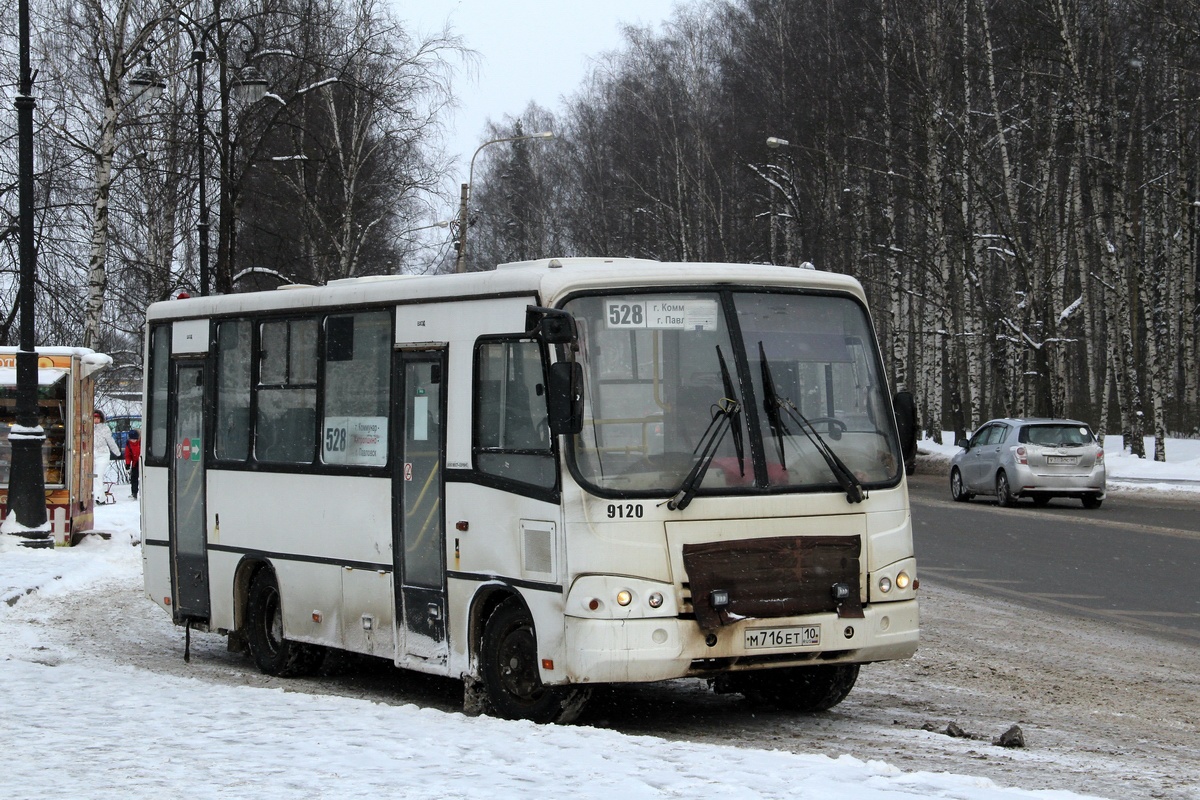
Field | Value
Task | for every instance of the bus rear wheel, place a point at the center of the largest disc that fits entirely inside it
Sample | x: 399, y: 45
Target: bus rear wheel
x: 510, y: 674
x: 273, y: 654
x: 806, y: 689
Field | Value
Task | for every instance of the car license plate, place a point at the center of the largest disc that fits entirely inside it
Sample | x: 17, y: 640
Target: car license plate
x: 799, y: 636
x: 1062, y: 459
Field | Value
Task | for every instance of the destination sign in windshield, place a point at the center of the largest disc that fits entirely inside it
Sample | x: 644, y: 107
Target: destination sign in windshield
x: 678, y: 313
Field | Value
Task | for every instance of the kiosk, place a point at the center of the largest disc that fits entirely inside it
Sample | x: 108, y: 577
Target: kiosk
x: 66, y: 395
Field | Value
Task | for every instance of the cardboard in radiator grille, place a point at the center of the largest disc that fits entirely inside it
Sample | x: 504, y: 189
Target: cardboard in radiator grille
x: 781, y: 576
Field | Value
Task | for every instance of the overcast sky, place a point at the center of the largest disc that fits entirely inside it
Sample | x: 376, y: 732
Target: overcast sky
x: 535, y: 50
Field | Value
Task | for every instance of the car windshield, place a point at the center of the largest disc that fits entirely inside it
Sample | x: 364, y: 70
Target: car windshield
x: 657, y: 395
x: 1057, y: 435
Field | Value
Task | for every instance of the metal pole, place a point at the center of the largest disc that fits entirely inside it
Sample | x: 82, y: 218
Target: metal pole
x: 27, y: 484
x: 199, y: 57
x: 460, y: 264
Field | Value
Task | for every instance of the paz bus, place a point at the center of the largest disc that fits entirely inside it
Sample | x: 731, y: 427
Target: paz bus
x: 557, y: 474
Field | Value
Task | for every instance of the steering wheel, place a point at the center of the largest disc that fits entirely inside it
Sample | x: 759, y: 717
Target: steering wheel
x: 836, y: 426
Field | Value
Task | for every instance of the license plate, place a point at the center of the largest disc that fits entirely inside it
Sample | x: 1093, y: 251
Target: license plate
x: 799, y: 636
x: 1062, y: 459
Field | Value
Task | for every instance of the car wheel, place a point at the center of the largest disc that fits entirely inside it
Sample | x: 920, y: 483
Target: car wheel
x: 510, y: 671
x: 1004, y: 495
x: 957, y: 490
x: 1091, y: 501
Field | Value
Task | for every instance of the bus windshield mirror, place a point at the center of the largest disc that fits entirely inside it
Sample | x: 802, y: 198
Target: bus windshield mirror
x: 773, y: 404
x: 551, y: 325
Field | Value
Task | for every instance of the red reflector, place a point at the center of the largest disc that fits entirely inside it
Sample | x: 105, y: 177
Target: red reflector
x: 547, y: 663
x: 166, y: 601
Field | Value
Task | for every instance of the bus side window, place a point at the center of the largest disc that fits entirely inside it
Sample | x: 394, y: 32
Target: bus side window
x: 160, y: 359
x: 232, y: 431
x: 511, y: 431
x: 286, y: 423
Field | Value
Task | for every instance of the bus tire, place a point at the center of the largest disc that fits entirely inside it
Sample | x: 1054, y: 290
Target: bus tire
x: 509, y: 668
x: 805, y: 689
x: 273, y: 654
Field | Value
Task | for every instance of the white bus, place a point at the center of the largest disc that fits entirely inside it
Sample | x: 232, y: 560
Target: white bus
x: 557, y: 474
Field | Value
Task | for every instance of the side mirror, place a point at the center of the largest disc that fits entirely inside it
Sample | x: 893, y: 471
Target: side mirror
x: 905, y: 409
x: 551, y: 325
x: 964, y: 443
x: 564, y: 400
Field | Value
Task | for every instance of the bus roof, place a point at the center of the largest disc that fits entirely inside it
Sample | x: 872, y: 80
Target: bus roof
x: 549, y: 279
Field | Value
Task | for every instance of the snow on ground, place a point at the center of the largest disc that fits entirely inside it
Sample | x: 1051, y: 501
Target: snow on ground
x: 80, y: 721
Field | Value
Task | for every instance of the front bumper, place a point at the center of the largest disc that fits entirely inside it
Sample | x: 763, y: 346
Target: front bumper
x: 643, y: 650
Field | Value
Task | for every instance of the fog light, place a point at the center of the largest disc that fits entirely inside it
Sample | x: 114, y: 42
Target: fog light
x: 655, y: 600
x: 718, y: 598
x: 624, y: 597
x: 885, y: 584
x: 902, y: 580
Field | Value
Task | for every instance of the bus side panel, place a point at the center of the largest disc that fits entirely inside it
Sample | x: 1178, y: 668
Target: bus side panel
x: 517, y: 540
x: 156, y: 554
x: 324, y: 535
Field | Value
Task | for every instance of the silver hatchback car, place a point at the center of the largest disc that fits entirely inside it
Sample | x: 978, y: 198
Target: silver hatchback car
x: 1034, y: 458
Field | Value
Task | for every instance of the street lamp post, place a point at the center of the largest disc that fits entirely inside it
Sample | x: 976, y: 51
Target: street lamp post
x: 460, y: 264
x: 774, y: 142
x: 27, y: 484
x: 148, y: 85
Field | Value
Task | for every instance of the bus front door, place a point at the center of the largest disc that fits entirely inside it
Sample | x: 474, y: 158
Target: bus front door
x: 419, y: 533
x: 189, y: 535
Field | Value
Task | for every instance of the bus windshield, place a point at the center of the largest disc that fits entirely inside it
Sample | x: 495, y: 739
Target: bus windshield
x: 660, y: 369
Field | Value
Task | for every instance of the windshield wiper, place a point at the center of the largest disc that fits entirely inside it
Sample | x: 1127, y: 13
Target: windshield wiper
x: 728, y: 414
x: 773, y: 404
x: 735, y: 415
x: 727, y: 410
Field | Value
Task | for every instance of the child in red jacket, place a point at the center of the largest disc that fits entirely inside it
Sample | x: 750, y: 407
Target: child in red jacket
x: 133, y: 453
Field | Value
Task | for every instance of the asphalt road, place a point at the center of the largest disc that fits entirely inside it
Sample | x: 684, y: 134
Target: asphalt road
x: 1134, y: 562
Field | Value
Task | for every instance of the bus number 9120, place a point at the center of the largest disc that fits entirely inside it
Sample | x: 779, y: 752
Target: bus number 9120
x: 625, y: 511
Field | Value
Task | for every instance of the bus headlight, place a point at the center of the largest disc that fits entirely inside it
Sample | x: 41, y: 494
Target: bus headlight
x: 885, y: 584
x: 624, y: 597
x: 655, y: 600
x: 902, y: 580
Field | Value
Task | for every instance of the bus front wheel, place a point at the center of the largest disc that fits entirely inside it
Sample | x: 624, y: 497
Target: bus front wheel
x: 510, y: 674
x: 273, y: 654
x: 806, y: 689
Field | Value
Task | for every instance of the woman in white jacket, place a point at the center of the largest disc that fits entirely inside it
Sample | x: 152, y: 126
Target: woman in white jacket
x: 104, y: 448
